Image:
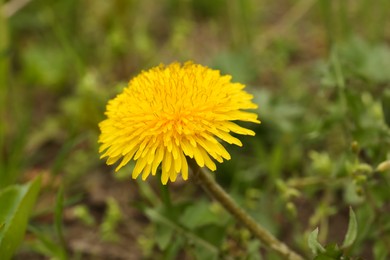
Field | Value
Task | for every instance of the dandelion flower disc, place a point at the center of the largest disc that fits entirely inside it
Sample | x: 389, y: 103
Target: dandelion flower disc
x: 170, y: 112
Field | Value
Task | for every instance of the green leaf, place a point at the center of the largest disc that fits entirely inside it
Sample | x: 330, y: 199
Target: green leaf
x: 16, y: 203
x: 352, y: 229
x: 314, y: 245
x: 112, y: 218
x: 200, y: 253
x: 381, y: 250
x: 46, y: 245
x: 159, y: 218
x: 174, y: 248
x: 163, y: 236
x: 214, y: 234
x: 200, y: 214
x: 332, y: 252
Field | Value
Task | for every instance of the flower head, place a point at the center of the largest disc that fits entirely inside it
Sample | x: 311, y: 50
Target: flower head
x: 170, y: 112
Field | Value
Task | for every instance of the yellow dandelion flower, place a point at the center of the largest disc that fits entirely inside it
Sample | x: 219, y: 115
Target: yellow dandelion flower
x: 170, y: 112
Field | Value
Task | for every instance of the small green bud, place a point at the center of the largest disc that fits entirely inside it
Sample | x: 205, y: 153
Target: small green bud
x: 291, y: 208
x: 383, y: 166
x: 245, y: 235
x: 359, y: 191
x: 360, y: 179
x: 321, y: 162
x: 355, y: 147
x: 363, y: 168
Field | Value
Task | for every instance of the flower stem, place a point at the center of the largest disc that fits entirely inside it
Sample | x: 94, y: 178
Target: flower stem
x: 212, y: 187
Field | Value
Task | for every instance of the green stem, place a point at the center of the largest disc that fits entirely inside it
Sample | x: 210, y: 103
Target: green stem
x: 212, y: 187
x: 166, y: 197
x: 4, y: 64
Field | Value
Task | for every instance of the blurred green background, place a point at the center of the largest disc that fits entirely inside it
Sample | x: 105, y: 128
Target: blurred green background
x: 319, y: 71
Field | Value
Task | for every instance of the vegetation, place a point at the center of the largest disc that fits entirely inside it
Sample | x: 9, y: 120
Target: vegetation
x: 316, y: 175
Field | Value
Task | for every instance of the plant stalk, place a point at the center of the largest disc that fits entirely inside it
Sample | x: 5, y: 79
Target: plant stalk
x: 216, y: 191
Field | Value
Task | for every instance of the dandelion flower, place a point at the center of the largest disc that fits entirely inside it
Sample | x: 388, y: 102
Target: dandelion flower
x: 169, y: 113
